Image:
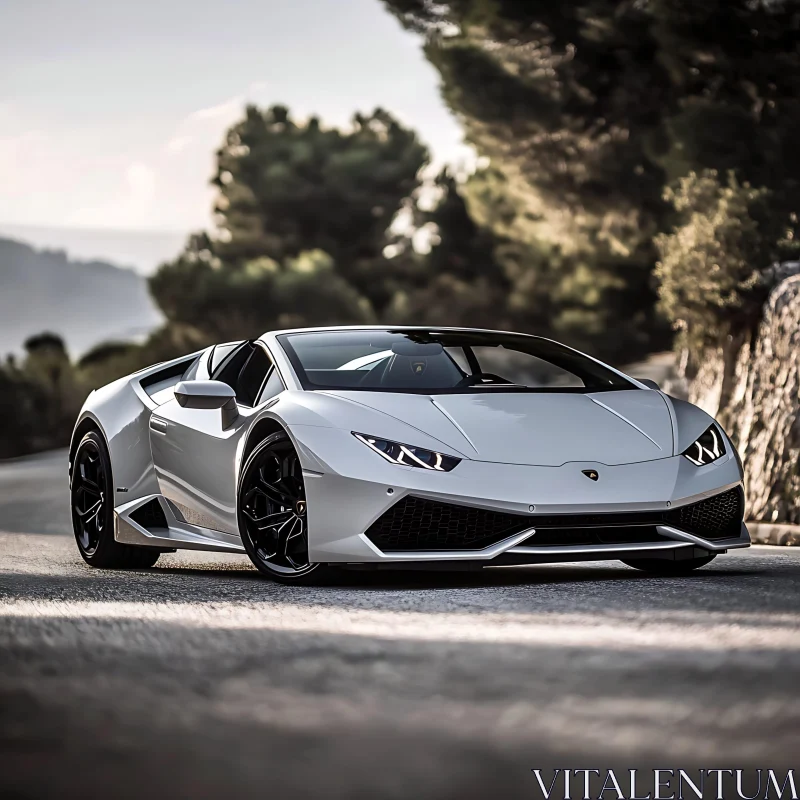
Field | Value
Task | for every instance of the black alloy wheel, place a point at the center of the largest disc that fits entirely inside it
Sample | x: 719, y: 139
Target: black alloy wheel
x: 92, y: 501
x: 273, y: 518
x: 89, y: 497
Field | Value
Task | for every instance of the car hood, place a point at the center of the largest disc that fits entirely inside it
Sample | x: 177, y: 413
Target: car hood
x: 547, y: 429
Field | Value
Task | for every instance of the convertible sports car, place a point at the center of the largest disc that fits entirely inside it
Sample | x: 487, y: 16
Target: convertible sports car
x: 316, y: 449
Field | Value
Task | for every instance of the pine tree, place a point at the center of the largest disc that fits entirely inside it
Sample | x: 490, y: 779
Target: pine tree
x: 457, y: 281
x: 303, y: 213
x: 587, y: 110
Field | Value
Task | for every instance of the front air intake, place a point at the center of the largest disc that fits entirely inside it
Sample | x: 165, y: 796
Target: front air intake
x: 417, y: 524
x: 717, y: 517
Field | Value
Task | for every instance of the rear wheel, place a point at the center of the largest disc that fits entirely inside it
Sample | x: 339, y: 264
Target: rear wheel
x: 273, y: 518
x: 92, y: 501
x: 661, y: 566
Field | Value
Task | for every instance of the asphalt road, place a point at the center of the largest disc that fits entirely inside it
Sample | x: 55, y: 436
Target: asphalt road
x: 199, y: 679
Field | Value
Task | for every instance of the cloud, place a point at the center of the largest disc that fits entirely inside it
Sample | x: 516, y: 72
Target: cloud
x: 202, y: 129
x: 70, y: 178
x: 229, y: 108
x: 220, y: 111
x: 178, y: 144
x: 132, y: 207
x: 141, y: 181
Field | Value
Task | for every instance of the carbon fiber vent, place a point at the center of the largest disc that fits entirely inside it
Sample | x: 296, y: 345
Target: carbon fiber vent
x: 417, y: 524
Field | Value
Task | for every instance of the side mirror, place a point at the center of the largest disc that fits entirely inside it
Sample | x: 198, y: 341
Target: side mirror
x: 209, y: 394
x: 649, y: 384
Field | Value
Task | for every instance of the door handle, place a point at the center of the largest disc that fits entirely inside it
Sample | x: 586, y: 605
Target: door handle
x: 158, y: 425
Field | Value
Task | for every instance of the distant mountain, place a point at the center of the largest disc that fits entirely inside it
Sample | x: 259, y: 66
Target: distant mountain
x: 140, y: 250
x: 85, y: 302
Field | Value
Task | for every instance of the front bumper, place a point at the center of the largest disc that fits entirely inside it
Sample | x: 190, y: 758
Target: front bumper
x: 349, y: 488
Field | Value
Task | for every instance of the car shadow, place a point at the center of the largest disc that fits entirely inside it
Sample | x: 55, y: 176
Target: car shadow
x: 440, y: 579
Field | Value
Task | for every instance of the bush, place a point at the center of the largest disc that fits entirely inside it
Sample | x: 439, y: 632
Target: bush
x: 711, y: 264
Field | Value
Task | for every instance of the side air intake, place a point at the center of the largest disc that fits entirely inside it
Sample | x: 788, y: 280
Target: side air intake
x: 150, y: 516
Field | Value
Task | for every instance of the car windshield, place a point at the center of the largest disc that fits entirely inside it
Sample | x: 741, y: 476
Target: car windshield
x: 428, y: 361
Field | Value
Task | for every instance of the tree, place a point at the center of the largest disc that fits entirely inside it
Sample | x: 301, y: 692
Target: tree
x: 587, y: 109
x: 717, y: 269
x: 287, y: 187
x: 713, y: 264
x: 18, y: 402
x: 303, y: 214
x: 456, y: 280
x: 224, y: 302
x: 39, y: 400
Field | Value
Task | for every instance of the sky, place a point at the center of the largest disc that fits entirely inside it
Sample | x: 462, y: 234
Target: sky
x: 110, y: 110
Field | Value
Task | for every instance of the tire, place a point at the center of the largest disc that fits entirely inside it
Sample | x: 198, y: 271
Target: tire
x: 272, y: 488
x: 92, y: 504
x: 659, y: 566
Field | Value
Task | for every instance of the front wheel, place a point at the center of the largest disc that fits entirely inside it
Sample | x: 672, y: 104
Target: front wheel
x: 272, y: 511
x: 660, y: 566
x: 92, y: 501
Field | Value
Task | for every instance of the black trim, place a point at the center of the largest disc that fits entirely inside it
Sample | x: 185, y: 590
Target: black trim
x: 172, y: 371
x: 234, y: 347
x: 614, y: 534
x: 696, y: 518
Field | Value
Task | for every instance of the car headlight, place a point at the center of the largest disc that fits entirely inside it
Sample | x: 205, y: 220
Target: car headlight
x: 709, y: 447
x: 408, y: 456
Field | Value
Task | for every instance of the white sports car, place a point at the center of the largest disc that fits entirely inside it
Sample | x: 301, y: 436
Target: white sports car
x: 317, y: 449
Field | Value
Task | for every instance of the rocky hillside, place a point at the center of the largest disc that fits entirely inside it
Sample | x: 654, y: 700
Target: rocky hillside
x: 85, y: 302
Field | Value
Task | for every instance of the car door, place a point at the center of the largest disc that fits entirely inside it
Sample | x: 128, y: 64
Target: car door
x: 194, y: 457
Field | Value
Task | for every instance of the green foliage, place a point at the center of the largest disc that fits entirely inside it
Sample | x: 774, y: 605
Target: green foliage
x: 242, y: 301
x: 19, y: 400
x: 458, y: 282
x: 586, y: 110
x: 46, y: 345
x: 106, y: 351
x: 711, y: 263
x: 303, y: 214
x: 40, y: 399
x: 287, y: 187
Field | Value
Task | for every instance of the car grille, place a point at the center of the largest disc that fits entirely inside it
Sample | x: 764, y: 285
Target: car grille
x: 416, y: 524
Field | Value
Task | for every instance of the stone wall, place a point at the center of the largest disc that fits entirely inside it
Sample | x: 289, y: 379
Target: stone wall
x: 751, y: 384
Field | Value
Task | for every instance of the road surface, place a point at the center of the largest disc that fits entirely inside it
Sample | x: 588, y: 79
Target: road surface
x: 199, y: 679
